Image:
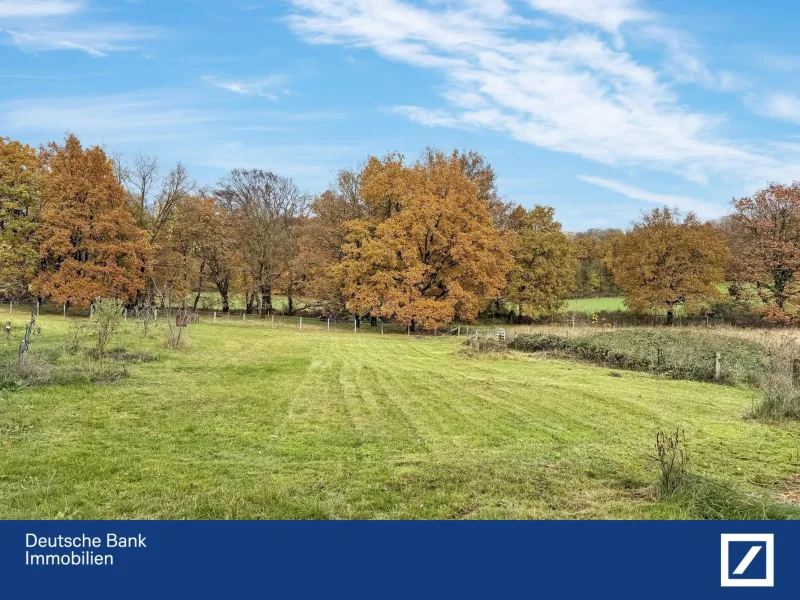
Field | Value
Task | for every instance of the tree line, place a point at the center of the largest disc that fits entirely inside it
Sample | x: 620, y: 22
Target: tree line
x: 422, y: 243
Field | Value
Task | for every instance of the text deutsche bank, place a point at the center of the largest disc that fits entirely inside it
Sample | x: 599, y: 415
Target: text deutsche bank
x: 78, y: 550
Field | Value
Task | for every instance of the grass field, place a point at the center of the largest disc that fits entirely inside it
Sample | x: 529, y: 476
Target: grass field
x: 252, y: 423
x: 594, y: 305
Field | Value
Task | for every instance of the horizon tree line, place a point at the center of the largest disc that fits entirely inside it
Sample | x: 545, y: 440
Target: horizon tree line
x: 422, y: 243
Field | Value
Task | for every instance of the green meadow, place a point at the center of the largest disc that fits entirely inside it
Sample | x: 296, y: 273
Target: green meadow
x: 250, y: 422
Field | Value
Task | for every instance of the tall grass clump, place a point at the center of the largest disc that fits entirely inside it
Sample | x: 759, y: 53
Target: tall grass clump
x: 701, y: 497
x: 674, y: 353
x: 780, y: 384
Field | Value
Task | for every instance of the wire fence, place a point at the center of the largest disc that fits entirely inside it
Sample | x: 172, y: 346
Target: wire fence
x: 242, y: 318
x: 371, y: 325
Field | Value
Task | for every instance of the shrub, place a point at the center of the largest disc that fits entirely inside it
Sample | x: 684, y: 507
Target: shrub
x: 106, y: 322
x: 675, y: 353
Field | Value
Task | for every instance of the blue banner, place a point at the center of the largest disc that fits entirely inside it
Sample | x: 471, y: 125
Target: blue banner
x: 266, y: 559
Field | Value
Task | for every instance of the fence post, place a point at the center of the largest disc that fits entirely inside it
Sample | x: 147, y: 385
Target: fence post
x: 329, y: 323
x: 381, y: 328
x: 37, y: 308
x: 355, y: 325
x: 795, y: 373
x: 155, y: 314
x: 244, y: 314
x: 301, y: 323
x: 125, y: 314
x: 718, y: 367
x: 65, y: 310
x: 273, y: 322
x: 10, y: 306
x: 215, y: 316
x: 409, y: 330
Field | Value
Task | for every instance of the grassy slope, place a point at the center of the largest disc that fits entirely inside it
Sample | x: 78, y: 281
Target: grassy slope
x: 367, y: 426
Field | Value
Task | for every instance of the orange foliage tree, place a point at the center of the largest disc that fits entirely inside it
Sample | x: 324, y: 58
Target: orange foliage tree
x: 91, y: 246
x: 765, y: 240
x: 665, y: 261
x: 20, y: 203
x: 429, y: 252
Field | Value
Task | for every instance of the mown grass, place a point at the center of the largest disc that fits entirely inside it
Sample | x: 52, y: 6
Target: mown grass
x: 250, y: 422
x: 594, y: 305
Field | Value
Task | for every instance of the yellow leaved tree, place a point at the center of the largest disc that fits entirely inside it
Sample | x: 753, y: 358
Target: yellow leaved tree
x: 428, y: 253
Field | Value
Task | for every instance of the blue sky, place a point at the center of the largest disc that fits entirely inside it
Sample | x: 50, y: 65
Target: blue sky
x: 600, y: 108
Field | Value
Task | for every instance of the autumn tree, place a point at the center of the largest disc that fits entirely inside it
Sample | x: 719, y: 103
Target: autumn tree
x: 428, y: 252
x: 593, y: 274
x: 764, y: 233
x: 265, y: 208
x: 20, y: 204
x: 666, y: 261
x: 543, y: 269
x: 91, y: 247
x: 322, y: 239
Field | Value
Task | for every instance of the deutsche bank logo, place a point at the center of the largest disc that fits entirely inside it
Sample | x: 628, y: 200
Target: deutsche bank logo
x: 748, y: 560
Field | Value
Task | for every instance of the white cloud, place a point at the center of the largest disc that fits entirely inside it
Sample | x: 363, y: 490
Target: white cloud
x: 270, y: 87
x: 96, y: 41
x: 703, y: 209
x: 778, y: 105
x: 606, y: 14
x: 573, y: 92
x: 47, y: 25
x: 37, y: 8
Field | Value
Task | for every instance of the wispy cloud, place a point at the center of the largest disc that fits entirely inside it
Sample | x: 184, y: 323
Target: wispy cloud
x: 47, y: 25
x: 37, y: 8
x: 777, y: 105
x: 271, y: 86
x: 96, y: 41
x: 570, y: 90
x: 606, y: 14
x: 703, y: 209
x: 118, y: 117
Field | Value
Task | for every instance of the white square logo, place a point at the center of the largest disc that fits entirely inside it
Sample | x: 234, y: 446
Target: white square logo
x: 748, y: 559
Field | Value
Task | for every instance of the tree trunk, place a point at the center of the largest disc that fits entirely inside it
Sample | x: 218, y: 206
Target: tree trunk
x: 520, y: 313
x: 358, y: 321
x: 413, y: 326
x: 250, y: 298
x: 670, y: 316
x: 266, y: 300
x: 290, y: 296
x: 222, y: 288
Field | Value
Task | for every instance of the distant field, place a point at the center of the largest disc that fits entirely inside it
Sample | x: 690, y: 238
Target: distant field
x: 251, y: 422
x: 593, y: 305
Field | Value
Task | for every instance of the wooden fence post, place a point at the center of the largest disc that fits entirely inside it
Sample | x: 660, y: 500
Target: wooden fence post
x: 301, y: 323
x: 65, y: 310
x: 215, y: 316
x: 795, y: 373
x: 329, y: 323
x: 718, y: 367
